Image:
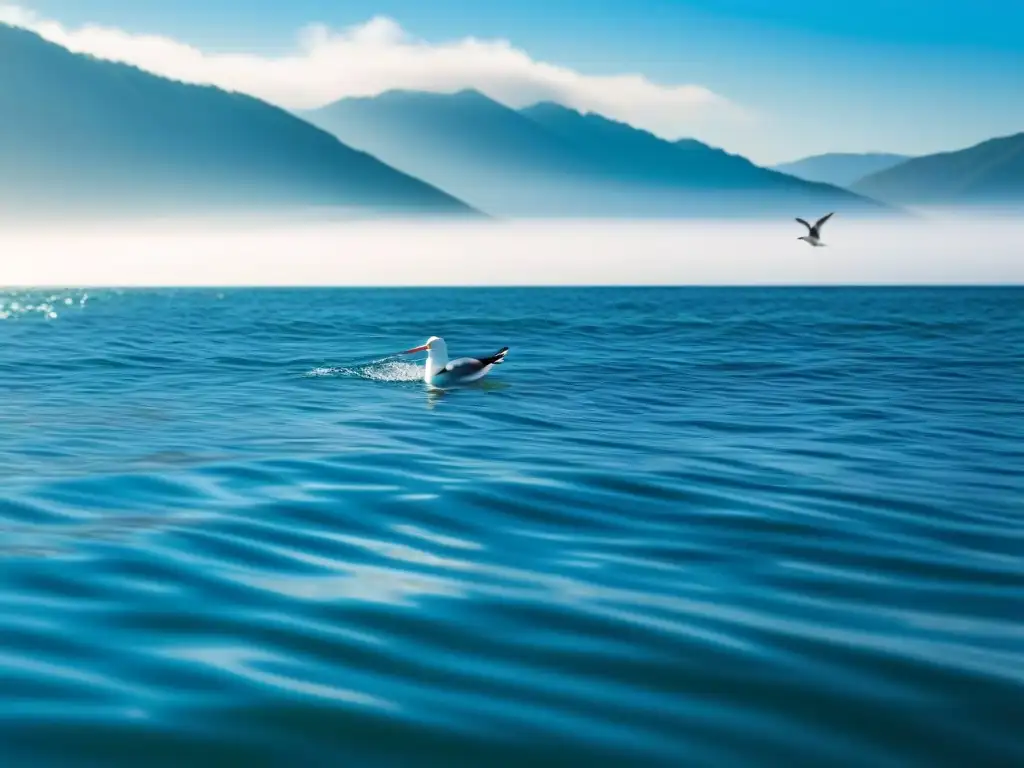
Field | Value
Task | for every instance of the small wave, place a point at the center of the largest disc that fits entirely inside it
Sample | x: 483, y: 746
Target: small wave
x: 391, y: 371
x: 325, y: 371
x: 386, y: 370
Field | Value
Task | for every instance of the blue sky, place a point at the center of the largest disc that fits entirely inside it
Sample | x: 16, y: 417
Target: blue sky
x: 911, y: 76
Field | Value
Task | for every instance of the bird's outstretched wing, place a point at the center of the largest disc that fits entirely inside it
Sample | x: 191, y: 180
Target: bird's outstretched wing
x: 822, y: 220
x: 805, y: 224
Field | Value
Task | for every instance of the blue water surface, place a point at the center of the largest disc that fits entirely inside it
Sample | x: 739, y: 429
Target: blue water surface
x: 677, y: 527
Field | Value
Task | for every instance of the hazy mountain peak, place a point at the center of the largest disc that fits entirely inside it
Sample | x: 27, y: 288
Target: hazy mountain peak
x: 840, y: 168
x: 551, y: 107
x: 989, y: 173
x: 472, y: 94
x: 84, y: 134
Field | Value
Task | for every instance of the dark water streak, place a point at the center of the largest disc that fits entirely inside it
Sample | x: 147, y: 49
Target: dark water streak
x: 679, y: 527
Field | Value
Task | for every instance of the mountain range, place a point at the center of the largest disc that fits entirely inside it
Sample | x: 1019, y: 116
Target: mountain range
x: 88, y: 136
x: 989, y: 173
x: 79, y: 135
x: 549, y: 160
x: 840, y: 168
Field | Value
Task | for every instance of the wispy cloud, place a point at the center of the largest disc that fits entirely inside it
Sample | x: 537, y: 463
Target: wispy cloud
x: 379, y: 55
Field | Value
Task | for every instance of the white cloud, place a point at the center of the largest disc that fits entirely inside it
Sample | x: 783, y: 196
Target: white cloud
x: 379, y: 55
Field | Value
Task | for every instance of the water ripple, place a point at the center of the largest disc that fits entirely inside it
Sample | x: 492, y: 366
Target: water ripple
x: 679, y: 527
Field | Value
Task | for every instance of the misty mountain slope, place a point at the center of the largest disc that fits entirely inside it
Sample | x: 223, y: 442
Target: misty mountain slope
x: 79, y: 134
x: 479, y: 149
x: 629, y: 153
x: 547, y: 160
x: 462, y: 124
x: 843, y: 169
x: 991, y: 172
x: 687, y: 165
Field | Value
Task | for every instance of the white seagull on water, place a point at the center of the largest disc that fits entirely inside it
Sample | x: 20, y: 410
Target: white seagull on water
x: 441, y: 373
x: 813, y: 235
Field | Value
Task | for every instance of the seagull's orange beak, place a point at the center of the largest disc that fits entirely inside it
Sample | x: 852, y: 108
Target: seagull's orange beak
x: 415, y: 349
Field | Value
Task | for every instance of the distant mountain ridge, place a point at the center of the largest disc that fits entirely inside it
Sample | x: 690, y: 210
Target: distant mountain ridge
x: 549, y: 160
x: 84, y: 135
x: 843, y: 169
x: 481, y: 150
x: 989, y: 173
x: 630, y: 152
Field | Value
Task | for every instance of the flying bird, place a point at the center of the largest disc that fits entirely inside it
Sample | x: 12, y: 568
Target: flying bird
x: 813, y: 235
x: 441, y: 373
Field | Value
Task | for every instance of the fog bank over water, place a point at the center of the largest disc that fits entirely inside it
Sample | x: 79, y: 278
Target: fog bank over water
x: 949, y: 250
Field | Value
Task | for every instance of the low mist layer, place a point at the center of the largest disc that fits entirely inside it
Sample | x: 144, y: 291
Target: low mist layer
x: 950, y: 250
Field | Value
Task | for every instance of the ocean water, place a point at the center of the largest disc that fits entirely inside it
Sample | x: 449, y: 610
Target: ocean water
x: 677, y: 527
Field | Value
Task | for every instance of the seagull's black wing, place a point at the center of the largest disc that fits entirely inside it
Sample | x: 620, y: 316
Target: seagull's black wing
x: 468, y: 365
x: 804, y: 223
x: 464, y: 366
x: 823, y: 219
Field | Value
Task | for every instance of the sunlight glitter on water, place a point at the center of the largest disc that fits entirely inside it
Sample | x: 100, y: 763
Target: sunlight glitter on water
x: 17, y: 304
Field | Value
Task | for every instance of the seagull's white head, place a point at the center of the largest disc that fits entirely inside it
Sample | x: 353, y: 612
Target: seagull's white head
x: 435, y: 346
